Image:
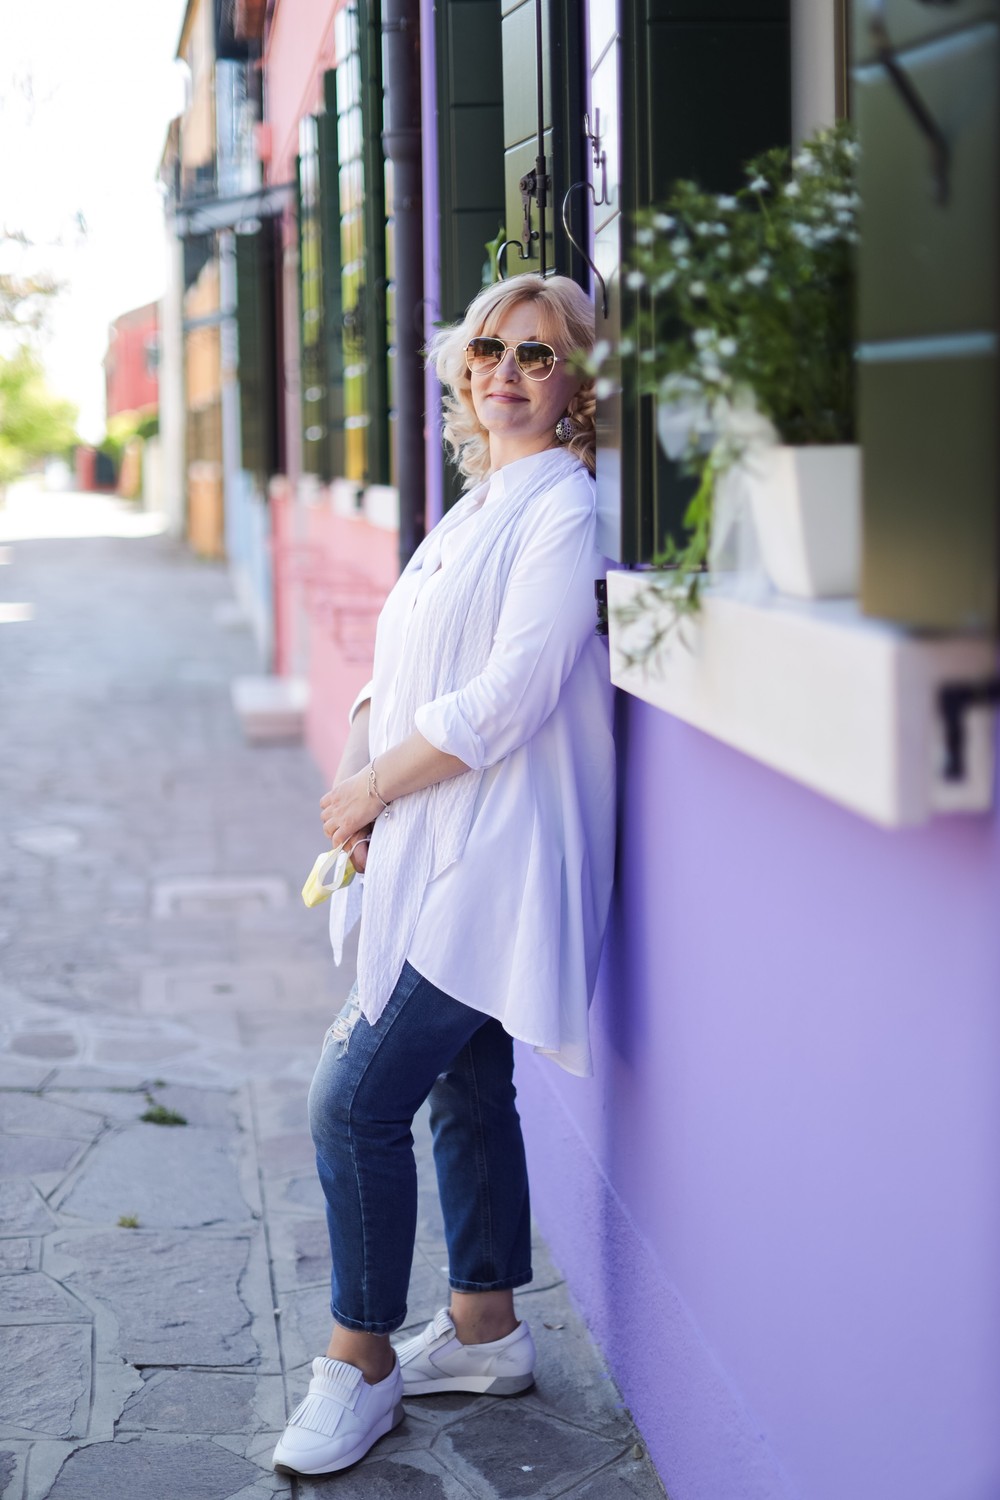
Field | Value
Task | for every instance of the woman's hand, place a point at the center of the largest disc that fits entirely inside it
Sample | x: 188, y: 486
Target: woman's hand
x: 358, y: 849
x: 348, y: 814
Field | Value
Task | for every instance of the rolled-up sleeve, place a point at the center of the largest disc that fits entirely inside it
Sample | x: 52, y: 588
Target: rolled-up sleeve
x: 363, y: 697
x: 546, y: 618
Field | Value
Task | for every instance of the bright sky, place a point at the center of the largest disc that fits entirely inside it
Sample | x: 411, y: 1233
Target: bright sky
x: 86, y: 94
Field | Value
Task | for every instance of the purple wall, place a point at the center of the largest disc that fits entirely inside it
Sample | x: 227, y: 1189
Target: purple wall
x: 777, y: 1202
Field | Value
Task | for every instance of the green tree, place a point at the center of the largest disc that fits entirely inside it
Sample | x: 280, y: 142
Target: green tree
x: 26, y: 293
x: 34, y: 423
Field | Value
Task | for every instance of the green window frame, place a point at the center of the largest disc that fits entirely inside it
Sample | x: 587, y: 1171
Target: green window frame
x: 365, y: 245
x: 561, y: 63
x: 703, y: 88
x: 313, y: 362
x: 256, y: 260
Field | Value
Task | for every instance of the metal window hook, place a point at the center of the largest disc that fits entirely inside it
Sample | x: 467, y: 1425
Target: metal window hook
x: 600, y: 157
x: 502, y: 252
x: 576, y: 243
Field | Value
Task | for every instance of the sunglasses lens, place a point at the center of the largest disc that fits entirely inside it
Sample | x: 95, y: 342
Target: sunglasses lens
x: 484, y: 354
x: 535, y: 360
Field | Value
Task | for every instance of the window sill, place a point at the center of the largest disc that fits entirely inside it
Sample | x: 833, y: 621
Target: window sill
x: 844, y: 704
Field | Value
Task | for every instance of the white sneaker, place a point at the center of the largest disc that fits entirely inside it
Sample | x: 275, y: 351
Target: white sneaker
x: 339, y: 1419
x: 436, y: 1361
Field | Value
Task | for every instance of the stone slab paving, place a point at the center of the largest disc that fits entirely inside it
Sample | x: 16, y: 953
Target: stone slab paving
x: 163, y: 1256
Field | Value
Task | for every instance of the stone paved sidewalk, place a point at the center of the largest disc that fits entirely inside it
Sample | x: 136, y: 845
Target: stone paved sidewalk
x: 163, y: 1256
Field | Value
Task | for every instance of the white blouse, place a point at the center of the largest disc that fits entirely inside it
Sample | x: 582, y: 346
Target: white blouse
x: 514, y: 927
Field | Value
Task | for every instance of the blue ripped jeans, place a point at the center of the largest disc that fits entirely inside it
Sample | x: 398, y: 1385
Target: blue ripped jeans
x: 369, y: 1084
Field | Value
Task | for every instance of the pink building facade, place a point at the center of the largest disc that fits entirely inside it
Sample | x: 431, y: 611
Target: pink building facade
x: 130, y: 365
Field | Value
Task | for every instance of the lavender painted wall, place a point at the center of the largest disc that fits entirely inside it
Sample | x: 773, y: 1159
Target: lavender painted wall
x: 777, y: 1202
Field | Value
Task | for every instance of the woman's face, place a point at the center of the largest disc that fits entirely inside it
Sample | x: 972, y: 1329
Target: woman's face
x: 520, y: 414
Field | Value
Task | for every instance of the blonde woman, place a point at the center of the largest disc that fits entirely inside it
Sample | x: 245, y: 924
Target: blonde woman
x: 476, y: 792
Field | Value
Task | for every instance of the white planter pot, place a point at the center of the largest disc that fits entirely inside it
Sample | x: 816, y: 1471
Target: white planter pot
x: 806, y: 506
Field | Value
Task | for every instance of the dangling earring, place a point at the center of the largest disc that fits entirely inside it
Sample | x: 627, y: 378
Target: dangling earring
x: 566, y: 429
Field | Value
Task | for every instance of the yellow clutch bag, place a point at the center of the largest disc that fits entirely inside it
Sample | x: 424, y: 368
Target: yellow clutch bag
x: 332, y: 871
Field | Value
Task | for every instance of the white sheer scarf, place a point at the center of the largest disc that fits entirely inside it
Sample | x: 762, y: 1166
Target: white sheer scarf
x: 449, y: 644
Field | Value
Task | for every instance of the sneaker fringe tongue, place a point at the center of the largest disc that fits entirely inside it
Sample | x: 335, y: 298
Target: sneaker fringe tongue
x: 443, y: 1325
x: 337, y: 1379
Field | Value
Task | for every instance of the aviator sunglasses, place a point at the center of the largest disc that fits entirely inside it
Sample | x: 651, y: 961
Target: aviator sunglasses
x: 535, y: 360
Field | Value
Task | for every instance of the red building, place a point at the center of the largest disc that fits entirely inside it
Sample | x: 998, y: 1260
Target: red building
x: 130, y: 363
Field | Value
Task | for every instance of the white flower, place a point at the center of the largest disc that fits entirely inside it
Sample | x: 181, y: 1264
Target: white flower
x: 681, y: 244
x: 681, y: 415
x: 698, y: 289
x: 720, y: 231
x: 724, y: 252
x: 736, y: 285
x: 727, y: 348
x: 844, y: 216
x: 703, y: 337
x: 599, y: 353
x: 759, y: 184
x: 757, y: 275
x: 726, y: 203
x: 827, y: 233
x: 604, y: 388
x: 664, y: 222
x: 635, y: 281
x: 793, y: 190
x: 711, y: 370
x: 647, y: 357
x: 644, y: 236
x: 807, y: 163
x: 664, y: 282
x: 703, y: 228
x: 740, y: 422
x: 804, y: 235
x: 625, y: 348
x: 677, y: 388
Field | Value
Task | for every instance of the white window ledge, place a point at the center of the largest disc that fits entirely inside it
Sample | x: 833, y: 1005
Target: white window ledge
x: 843, y: 704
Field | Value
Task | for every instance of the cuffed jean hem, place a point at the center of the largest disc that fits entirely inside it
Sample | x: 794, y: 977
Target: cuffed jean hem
x: 360, y: 1326
x: 507, y: 1284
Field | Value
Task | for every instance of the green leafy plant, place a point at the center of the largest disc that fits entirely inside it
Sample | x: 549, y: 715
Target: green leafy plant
x: 128, y: 1221
x: 744, y: 325
x: 158, y: 1114
x: 34, y: 423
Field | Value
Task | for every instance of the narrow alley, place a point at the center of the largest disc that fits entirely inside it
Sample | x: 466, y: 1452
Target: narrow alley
x: 163, y: 993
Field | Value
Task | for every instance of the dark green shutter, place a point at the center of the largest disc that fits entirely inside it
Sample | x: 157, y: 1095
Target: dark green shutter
x: 470, y: 158
x: 927, y: 318
x: 364, y: 280
x: 561, y: 65
x: 470, y: 146
x: 333, y: 314
x: 312, y: 334
x: 257, y: 350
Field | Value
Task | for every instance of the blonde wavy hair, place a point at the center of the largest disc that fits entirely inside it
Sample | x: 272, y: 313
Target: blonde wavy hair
x: 566, y: 320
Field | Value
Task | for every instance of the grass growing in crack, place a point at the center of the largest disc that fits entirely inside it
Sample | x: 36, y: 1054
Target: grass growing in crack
x: 158, y: 1114
x: 128, y: 1221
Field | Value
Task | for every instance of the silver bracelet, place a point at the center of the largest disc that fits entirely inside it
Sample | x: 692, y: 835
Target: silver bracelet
x: 373, y: 790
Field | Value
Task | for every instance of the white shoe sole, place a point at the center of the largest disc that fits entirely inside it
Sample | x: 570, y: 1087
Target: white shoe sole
x: 389, y: 1421
x: 476, y: 1385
